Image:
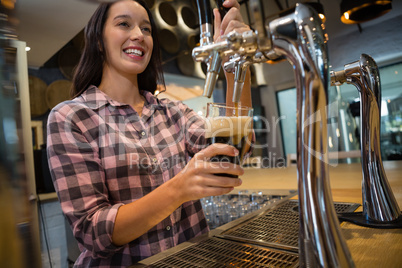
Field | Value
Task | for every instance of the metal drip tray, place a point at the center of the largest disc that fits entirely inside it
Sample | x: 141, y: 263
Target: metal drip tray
x: 278, y: 227
x: 216, y: 252
x: 264, y: 238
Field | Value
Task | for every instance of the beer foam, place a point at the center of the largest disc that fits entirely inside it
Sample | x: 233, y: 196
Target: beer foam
x: 228, y: 126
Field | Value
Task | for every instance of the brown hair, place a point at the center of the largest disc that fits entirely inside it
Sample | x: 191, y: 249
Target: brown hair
x: 90, y: 66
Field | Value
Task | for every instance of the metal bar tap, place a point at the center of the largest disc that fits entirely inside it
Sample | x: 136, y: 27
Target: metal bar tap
x: 380, y: 208
x: 238, y: 47
x: 300, y: 38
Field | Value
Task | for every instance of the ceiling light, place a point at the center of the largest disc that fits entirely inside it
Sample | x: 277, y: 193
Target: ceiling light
x: 358, y: 11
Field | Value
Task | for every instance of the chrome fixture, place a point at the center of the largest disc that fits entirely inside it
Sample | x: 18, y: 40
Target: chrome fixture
x: 212, y: 53
x: 300, y: 38
x: 317, y: 6
x: 380, y: 208
x: 213, y: 59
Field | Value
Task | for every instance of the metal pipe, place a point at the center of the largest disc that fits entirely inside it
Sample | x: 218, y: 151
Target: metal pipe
x: 300, y: 38
x: 379, y: 203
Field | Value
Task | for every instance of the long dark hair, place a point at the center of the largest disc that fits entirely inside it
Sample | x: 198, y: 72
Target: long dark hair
x: 89, y: 69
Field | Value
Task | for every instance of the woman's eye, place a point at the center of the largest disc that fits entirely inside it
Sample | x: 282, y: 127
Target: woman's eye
x: 147, y: 29
x: 124, y: 24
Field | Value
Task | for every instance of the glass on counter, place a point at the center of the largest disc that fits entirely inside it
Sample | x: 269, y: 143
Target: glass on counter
x: 222, y: 209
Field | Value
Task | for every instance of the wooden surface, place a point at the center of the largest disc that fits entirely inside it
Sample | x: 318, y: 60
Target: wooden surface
x: 369, y: 247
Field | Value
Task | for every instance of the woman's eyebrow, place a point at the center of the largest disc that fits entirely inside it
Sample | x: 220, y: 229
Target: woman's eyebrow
x: 129, y: 17
x: 121, y: 17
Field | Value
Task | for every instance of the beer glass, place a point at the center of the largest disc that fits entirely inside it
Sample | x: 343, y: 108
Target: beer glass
x: 229, y: 125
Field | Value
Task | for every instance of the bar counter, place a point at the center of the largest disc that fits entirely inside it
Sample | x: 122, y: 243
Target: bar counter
x: 370, y: 247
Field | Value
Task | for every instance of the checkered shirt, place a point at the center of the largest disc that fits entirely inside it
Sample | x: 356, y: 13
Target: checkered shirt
x: 103, y: 155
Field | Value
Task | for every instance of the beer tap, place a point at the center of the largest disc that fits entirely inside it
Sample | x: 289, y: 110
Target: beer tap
x: 299, y: 38
x: 380, y: 209
x: 210, y: 53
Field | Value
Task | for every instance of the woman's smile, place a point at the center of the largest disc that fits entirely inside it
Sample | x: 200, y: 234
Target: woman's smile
x: 134, y: 51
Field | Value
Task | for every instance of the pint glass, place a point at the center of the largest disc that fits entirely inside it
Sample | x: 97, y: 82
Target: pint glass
x: 229, y: 125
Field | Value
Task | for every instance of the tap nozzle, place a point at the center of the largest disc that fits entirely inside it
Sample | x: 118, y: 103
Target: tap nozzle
x: 240, y: 75
x: 337, y: 77
x: 214, y: 66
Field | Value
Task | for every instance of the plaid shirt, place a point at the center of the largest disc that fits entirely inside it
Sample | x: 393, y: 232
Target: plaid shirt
x: 103, y: 155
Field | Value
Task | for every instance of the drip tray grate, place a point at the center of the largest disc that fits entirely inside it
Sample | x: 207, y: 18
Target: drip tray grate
x: 216, y: 252
x: 278, y: 227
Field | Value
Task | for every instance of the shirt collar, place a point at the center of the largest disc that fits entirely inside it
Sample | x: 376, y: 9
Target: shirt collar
x: 96, y: 99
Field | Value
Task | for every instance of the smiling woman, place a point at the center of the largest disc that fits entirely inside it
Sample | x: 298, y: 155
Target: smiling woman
x: 95, y: 51
x: 129, y: 169
x: 128, y: 45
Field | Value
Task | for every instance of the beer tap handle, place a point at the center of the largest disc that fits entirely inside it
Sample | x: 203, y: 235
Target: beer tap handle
x: 206, y: 35
x: 216, y: 60
x: 222, y: 10
x: 205, y: 19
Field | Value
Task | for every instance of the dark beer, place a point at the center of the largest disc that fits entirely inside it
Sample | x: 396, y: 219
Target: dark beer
x: 229, y: 130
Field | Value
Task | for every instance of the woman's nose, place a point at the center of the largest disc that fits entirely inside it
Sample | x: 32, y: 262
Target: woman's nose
x: 137, y: 34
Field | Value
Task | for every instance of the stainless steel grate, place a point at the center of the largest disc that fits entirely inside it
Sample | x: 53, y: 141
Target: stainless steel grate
x: 216, y: 252
x: 278, y: 227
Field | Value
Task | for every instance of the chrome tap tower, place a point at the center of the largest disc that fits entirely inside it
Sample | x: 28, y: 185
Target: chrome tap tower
x: 380, y: 208
x: 300, y: 38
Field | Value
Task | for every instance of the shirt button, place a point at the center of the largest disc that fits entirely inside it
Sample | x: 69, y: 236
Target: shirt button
x: 168, y: 228
x: 143, y: 133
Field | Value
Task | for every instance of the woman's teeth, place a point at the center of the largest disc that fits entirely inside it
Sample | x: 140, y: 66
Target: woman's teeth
x: 134, y: 52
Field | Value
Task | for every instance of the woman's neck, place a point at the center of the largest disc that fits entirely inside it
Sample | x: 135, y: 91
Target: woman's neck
x: 123, y: 90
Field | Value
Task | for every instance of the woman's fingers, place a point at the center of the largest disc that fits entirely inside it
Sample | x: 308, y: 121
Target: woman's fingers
x: 222, y: 181
x: 231, y: 3
x: 233, y: 21
x: 202, y: 163
x: 212, y: 185
x: 216, y: 149
x: 233, y: 15
x: 217, y: 25
x: 202, y: 177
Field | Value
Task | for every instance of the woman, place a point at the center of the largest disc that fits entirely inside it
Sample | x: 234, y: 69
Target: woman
x: 129, y: 169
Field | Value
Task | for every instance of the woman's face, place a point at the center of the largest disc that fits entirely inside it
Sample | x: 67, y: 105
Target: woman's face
x: 127, y: 38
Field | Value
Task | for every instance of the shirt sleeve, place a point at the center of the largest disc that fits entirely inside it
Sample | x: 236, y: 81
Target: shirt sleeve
x: 79, y: 178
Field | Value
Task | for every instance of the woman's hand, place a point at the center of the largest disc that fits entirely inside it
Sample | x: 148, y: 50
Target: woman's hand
x: 232, y: 21
x: 197, y: 179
